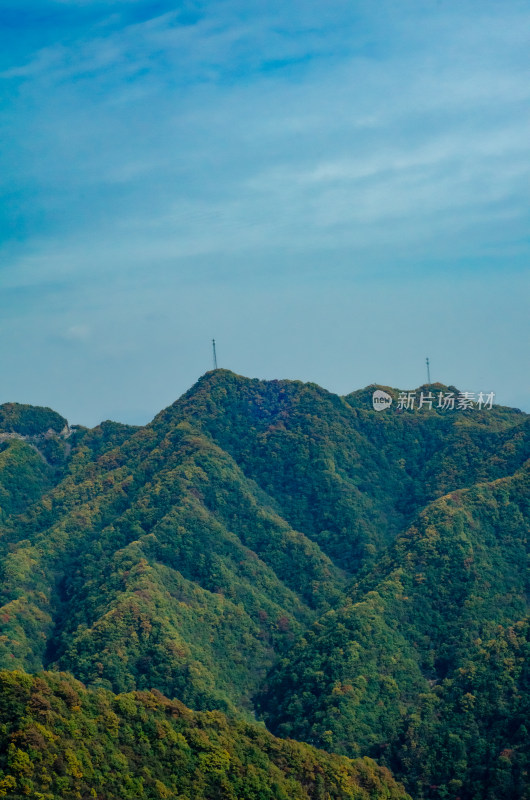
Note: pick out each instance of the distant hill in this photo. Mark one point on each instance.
(30, 420)
(359, 579)
(32, 446)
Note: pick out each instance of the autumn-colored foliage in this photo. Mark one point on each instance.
(357, 580)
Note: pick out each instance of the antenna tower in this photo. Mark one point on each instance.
(214, 355)
(428, 370)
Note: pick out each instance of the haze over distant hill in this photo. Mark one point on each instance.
(357, 579)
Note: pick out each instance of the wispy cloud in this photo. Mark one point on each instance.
(149, 147)
(78, 333)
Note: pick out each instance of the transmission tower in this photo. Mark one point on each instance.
(214, 354)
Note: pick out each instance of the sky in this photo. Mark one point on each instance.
(333, 190)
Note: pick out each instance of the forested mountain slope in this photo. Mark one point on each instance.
(451, 586)
(61, 741)
(359, 579)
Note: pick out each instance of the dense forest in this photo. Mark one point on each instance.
(61, 741)
(266, 552)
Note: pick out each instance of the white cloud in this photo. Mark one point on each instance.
(78, 333)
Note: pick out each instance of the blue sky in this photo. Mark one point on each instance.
(333, 190)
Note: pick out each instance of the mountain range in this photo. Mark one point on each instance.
(266, 553)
